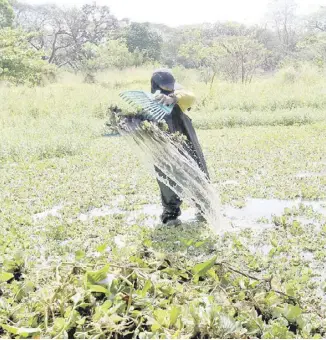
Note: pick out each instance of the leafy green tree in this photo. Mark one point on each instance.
(6, 14)
(283, 18)
(313, 48)
(175, 38)
(236, 58)
(62, 32)
(206, 35)
(19, 62)
(206, 58)
(243, 56)
(140, 37)
(112, 54)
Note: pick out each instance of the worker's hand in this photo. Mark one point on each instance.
(165, 100)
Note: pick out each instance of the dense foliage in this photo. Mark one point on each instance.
(81, 257)
(81, 252)
(78, 38)
(6, 14)
(19, 62)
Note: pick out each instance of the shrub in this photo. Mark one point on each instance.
(21, 64)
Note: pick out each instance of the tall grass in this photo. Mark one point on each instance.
(62, 118)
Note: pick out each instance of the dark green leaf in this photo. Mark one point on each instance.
(202, 268)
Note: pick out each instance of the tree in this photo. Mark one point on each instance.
(243, 57)
(317, 21)
(173, 40)
(313, 48)
(19, 62)
(237, 58)
(206, 58)
(140, 37)
(63, 32)
(6, 14)
(283, 18)
(207, 34)
(112, 54)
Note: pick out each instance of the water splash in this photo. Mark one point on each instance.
(168, 154)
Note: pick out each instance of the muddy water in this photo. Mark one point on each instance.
(232, 219)
(256, 208)
(50, 212)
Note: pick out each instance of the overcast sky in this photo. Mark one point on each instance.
(183, 12)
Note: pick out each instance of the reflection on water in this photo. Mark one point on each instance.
(232, 218)
(256, 214)
(257, 208)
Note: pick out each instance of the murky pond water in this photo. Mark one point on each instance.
(250, 216)
(257, 208)
(232, 218)
(149, 214)
(55, 212)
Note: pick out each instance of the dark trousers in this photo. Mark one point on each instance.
(180, 122)
(171, 202)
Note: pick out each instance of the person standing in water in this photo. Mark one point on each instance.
(168, 92)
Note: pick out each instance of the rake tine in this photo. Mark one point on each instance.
(159, 110)
(163, 114)
(147, 108)
(155, 110)
(155, 116)
(147, 103)
(160, 113)
(160, 117)
(143, 100)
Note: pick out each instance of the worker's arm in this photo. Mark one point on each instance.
(182, 97)
(185, 99)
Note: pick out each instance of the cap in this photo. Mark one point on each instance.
(164, 79)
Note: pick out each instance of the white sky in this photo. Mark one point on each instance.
(183, 12)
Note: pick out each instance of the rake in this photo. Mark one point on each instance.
(146, 102)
